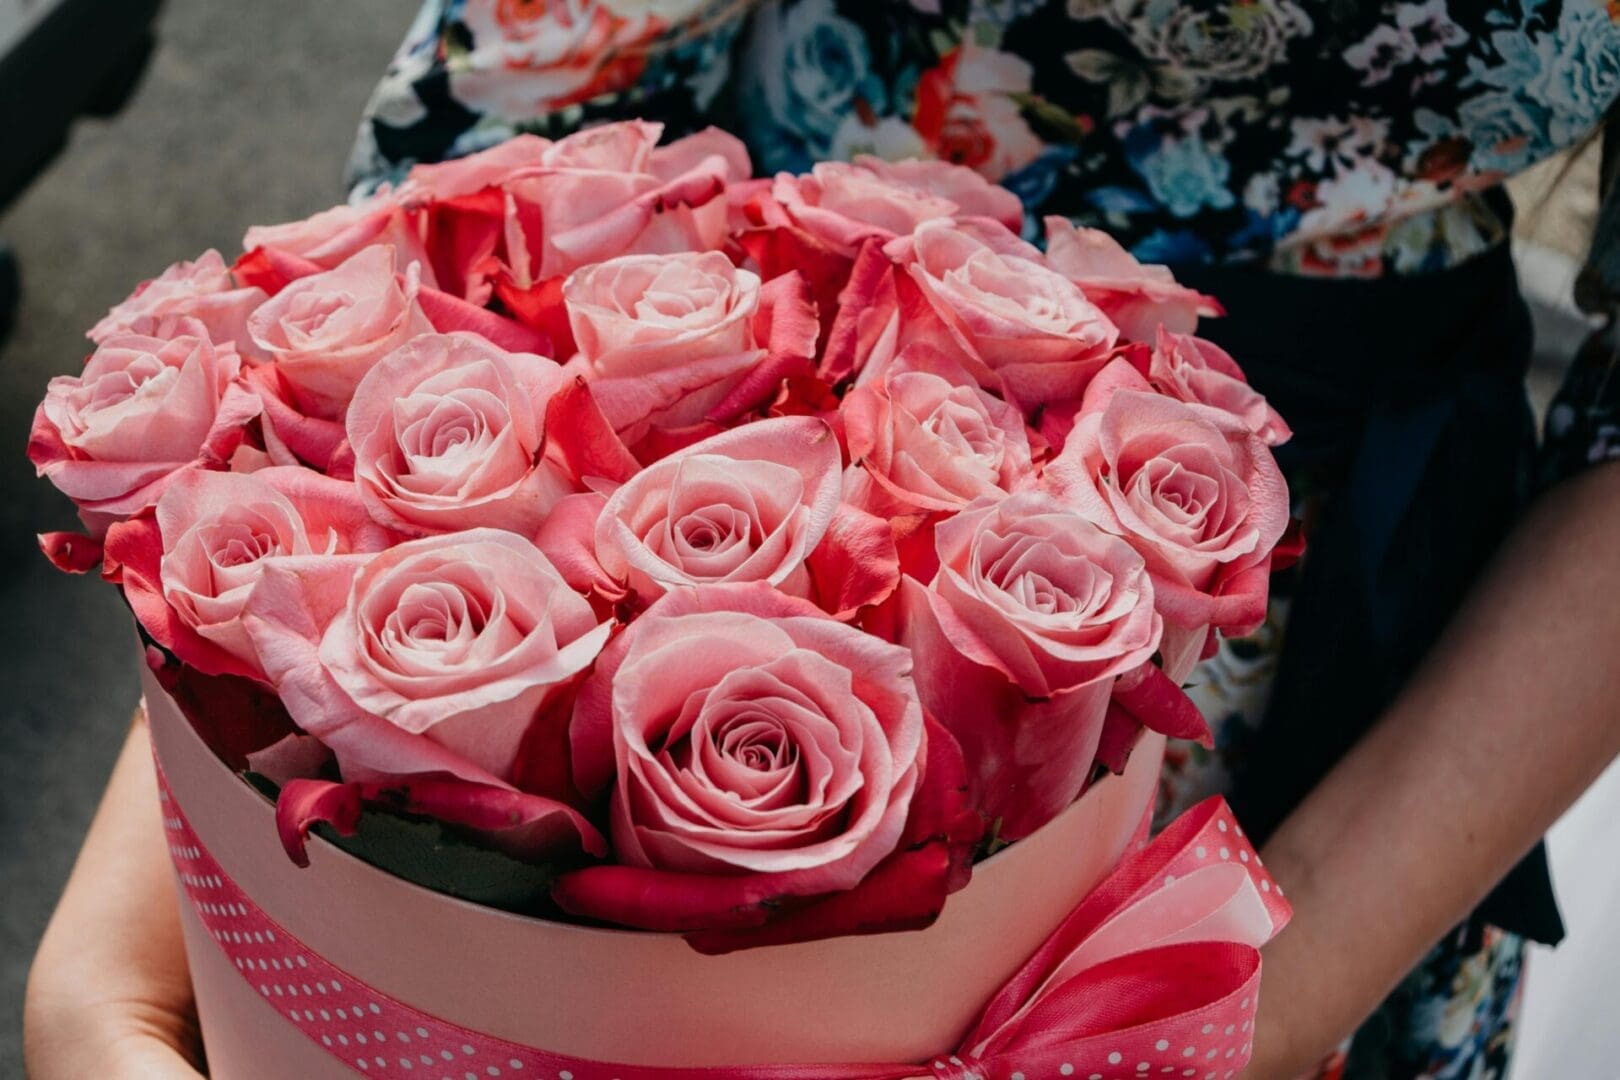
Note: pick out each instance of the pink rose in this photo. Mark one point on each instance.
(1018, 641)
(203, 290)
(844, 205)
(1138, 298)
(1192, 369)
(925, 438)
(1020, 325)
(325, 331)
(758, 755)
(663, 339)
(187, 572)
(449, 433)
(746, 505)
(973, 195)
(143, 409)
(442, 655)
(332, 237)
(610, 191)
(1192, 489)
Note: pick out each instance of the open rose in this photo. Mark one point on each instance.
(1192, 369)
(333, 236)
(612, 190)
(1191, 487)
(759, 756)
(1138, 298)
(202, 289)
(1024, 326)
(188, 571)
(448, 433)
(1019, 639)
(673, 341)
(746, 505)
(441, 655)
(925, 438)
(143, 409)
(844, 205)
(325, 331)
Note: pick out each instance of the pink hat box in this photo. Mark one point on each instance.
(621, 996)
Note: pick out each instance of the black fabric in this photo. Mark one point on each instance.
(1407, 399)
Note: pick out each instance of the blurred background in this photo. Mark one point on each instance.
(243, 114)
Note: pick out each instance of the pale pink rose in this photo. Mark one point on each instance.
(202, 289)
(333, 236)
(325, 331)
(1140, 298)
(1192, 489)
(925, 438)
(757, 755)
(437, 656)
(1192, 369)
(218, 531)
(845, 205)
(1022, 324)
(749, 504)
(459, 177)
(1018, 641)
(449, 433)
(143, 409)
(610, 191)
(663, 338)
(973, 195)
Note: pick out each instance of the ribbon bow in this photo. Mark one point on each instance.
(1156, 972)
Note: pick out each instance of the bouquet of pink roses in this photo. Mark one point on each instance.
(587, 529)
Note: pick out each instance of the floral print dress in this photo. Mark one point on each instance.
(1340, 138)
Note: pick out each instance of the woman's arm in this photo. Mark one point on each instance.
(1512, 716)
(109, 994)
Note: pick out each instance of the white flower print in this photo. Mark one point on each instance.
(1429, 29)
(1379, 53)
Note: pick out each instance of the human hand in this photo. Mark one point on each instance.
(109, 994)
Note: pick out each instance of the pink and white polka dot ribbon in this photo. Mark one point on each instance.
(1156, 973)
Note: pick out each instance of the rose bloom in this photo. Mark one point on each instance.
(333, 236)
(756, 754)
(749, 504)
(143, 409)
(449, 433)
(844, 205)
(325, 331)
(188, 571)
(612, 190)
(1139, 298)
(1192, 489)
(1025, 328)
(203, 290)
(926, 438)
(1018, 640)
(1192, 369)
(663, 338)
(437, 656)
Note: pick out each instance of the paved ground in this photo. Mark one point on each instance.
(245, 117)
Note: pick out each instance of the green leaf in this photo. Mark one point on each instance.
(1049, 120)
